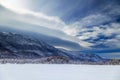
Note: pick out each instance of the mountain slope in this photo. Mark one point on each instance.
(20, 46)
(16, 46)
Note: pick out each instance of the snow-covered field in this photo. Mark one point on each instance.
(58, 72)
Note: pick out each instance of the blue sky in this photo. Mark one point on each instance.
(92, 24)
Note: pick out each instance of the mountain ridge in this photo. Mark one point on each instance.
(16, 46)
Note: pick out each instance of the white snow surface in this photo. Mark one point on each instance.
(58, 72)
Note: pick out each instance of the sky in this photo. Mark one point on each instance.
(93, 25)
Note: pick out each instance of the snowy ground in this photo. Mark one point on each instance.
(58, 72)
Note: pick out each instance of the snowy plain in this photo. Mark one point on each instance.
(58, 72)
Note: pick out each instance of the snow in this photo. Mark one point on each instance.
(58, 72)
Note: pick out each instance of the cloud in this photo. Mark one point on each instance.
(83, 32)
(106, 35)
(36, 18)
(42, 20)
(87, 22)
(98, 30)
(37, 22)
(94, 19)
(97, 27)
(15, 5)
(106, 14)
(70, 30)
(112, 10)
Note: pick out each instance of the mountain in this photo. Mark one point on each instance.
(85, 56)
(24, 46)
(16, 46)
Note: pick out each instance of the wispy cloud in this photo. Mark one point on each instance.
(94, 29)
(87, 22)
(107, 35)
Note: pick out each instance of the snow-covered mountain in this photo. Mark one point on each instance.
(24, 46)
(84, 56)
(16, 46)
